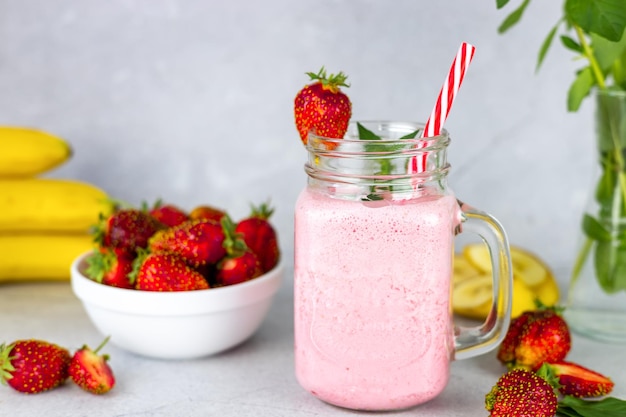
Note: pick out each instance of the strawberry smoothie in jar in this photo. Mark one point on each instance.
(374, 242)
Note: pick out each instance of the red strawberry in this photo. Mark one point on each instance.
(197, 241)
(126, 230)
(166, 272)
(168, 214)
(521, 393)
(535, 337)
(91, 371)
(109, 268)
(321, 107)
(207, 213)
(579, 381)
(240, 264)
(260, 237)
(33, 366)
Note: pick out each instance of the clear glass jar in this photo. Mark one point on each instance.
(374, 244)
(596, 301)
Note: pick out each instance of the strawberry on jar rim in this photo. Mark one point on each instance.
(33, 366)
(322, 108)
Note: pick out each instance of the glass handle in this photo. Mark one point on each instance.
(473, 341)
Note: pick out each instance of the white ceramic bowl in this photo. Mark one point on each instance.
(176, 325)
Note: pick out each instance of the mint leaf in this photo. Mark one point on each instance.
(365, 133)
(546, 45)
(580, 88)
(501, 3)
(607, 18)
(595, 230)
(513, 18)
(571, 44)
(607, 407)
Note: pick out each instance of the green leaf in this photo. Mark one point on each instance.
(610, 265)
(513, 18)
(607, 407)
(501, 3)
(545, 45)
(365, 133)
(411, 135)
(606, 52)
(580, 88)
(594, 229)
(607, 18)
(571, 44)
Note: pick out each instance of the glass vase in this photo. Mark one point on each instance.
(596, 303)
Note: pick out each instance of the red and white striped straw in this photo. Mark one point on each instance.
(448, 92)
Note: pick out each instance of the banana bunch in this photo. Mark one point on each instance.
(472, 282)
(44, 223)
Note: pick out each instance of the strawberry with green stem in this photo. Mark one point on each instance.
(108, 267)
(240, 264)
(521, 393)
(90, 371)
(260, 236)
(33, 366)
(321, 107)
(535, 337)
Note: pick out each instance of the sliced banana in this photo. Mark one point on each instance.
(472, 292)
(528, 267)
(463, 269)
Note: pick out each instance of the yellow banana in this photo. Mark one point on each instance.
(28, 152)
(39, 257)
(55, 205)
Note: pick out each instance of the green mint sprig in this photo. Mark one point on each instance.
(576, 407)
(593, 30)
(386, 165)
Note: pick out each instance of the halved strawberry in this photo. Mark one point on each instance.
(578, 381)
(91, 371)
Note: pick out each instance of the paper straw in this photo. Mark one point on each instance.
(448, 92)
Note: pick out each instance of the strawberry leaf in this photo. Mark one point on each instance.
(577, 407)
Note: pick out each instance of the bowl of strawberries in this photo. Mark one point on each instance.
(170, 284)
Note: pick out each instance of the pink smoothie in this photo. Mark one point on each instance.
(373, 326)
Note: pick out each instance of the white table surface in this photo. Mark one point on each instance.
(253, 379)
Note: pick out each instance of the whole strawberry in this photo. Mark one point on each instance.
(260, 237)
(168, 214)
(91, 371)
(164, 271)
(126, 230)
(321, 107)
(207, 213)
(535, 337)
(240, 264)
(109, 268)
(199, 242)
(33, 366)
(578, 381)
(521, 393)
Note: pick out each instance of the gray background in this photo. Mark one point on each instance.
(191, 101)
